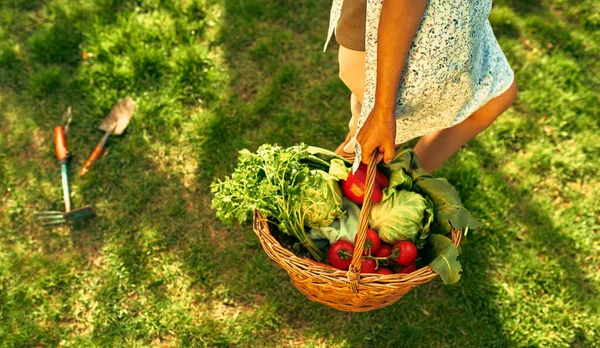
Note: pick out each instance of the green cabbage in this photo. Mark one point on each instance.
(321, 199)
(404, 215)
(344, 228)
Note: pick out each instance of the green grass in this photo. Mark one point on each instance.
(211, 77)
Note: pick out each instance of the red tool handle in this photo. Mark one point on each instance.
(60, 143)
(93, 158)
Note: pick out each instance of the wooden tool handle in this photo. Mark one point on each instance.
(93, 157)
(60, 143)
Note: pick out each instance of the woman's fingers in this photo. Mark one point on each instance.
(366, 153)
(389, 152)
(379, 156)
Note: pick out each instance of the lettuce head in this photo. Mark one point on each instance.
(321, 199)
(404, 215)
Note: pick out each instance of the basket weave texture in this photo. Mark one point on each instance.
(348, 291)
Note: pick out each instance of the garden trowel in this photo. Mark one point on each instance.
(115, 123)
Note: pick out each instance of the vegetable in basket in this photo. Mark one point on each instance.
(407, 252)
(368, 266)
(372, 242)
(272, 181)
(404, 215)
(321, 199)
(296, 188)
(408, 268)
(354, 185)
(449, 211)
(443, 213)
(385, 250)
(343, 228)
(340, 254)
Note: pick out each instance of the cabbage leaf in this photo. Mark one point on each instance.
(343, 228)
(445, 262)
(449, 211)
(400, 217)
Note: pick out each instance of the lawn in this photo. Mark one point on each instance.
(211, 77)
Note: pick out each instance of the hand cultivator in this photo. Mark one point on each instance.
(52, 218)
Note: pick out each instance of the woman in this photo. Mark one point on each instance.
(417, 68)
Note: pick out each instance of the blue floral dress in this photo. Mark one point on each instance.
(454, 67)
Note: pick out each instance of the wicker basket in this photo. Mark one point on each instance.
(347, 291)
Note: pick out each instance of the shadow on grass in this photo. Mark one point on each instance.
(538, 233)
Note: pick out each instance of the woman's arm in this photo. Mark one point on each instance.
(398, 25)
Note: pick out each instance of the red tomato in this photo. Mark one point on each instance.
(371, 243)
(408, 252)
(385, 250)
(408, 269)
(354, 187)
(384, 270)
(367, 266)
(340, 254)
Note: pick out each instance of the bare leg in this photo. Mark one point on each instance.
(355, 106)
(435, 148)
(352, 73)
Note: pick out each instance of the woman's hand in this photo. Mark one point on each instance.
(378, 132)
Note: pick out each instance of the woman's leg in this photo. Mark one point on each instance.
(355, 107)
(435, 148)
(352, 73)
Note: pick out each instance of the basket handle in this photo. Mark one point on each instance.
(353, 273)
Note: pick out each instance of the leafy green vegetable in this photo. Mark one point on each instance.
(399, 180)
(314, 162)
(339, 169)
(321, 199)
(326, 155)
(400, 217)
(428, 219)
(271, 181)
(449, 211)
(321, 159)
(406, 173)
(445, 262)
(397, 172)
(344, 228)
(407, 162)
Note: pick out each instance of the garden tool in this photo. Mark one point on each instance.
(50, 218)
(115, 123)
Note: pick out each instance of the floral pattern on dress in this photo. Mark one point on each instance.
(455, 66)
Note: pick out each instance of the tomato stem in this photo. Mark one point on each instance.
(393, 256)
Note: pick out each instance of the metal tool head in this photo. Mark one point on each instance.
(118, 118)
(80, 213)
(50, 218)
(54, 218)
